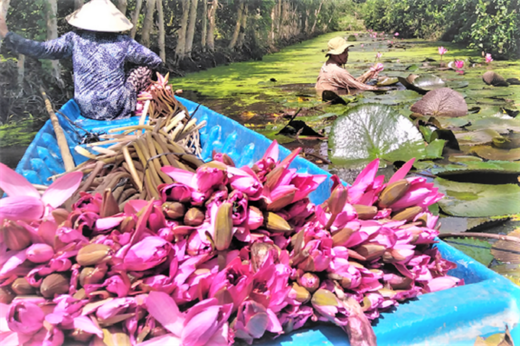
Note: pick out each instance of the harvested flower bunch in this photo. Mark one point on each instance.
(225, 255)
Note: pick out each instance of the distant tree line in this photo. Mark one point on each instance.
(488, 25)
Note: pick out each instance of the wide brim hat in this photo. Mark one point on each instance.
(337, 46)
(99, 15)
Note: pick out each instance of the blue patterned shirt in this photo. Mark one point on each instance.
(100, 86)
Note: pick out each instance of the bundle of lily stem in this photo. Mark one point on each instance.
(130, 158)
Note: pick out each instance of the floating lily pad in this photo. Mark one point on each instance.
(502, 126)
(429, 82)
(492, 153)
(483, 93)
(507, 141)
(478, 200)
(413, 67)
(408, 85)
(478, 249)
(493, 78)
(393, 97)
(479, 137)
(387, 81)
(510, 271)
(457, 84)
(513, 81)
(468, 164)
(507, 251)
(441, 102)
(367, 132)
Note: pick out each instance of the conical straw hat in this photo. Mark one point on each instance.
(99, 15)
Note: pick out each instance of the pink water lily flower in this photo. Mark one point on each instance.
(396, 34)
(25, 316)
(459, 64)
(488, 58)
(442, 51)
(252, 320)
(379, 55)
(148, 253)
(201, 325)
(24, 201)
(204, 179)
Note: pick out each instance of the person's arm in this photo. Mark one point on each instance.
(344, 80)
(55, 49)
(3, 27)
(142, 56)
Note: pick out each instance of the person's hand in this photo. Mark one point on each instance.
(3, 27)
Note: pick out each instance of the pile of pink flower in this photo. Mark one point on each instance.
(228, 255)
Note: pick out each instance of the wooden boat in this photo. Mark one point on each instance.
(485, 305)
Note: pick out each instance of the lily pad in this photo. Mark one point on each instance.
(468, 164)
(478, 200)
(492, 153)
(478, 249)
(493, 78)
(409, 85)
(507, 251)
(429, 82)
(507, 141)
(479, 137)
(502, 126)
(387, 81)
(370, 131)
(441, 102)
(412, 67)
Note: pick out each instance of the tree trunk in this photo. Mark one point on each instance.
(78, 4)
(52, 33)
(240, 13)
(204, 34)
(162, 47)
(211, 30)
(148, 23)
(242, 34)
(180, 50)
(270, 39)
(135, 17)
(21, 72)
(191, 26)
(122, 5)
(4, 7)
(316, 14)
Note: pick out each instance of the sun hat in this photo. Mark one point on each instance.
(337, 46)
(99, 15)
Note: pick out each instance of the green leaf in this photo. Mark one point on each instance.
(490, 153)
(478, 137)
(478, 200)
(480, 250)
(501, 125)
(367, 132)
(429, 82)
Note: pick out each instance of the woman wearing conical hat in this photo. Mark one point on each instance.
(102, 89)
(335, 78)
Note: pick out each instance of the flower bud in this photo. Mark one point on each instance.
(223, 227)
(6, 295)
(299, 293)
(80, 335)
(91, 275)
(16, 237)
(365, 212)
(174, 210)
(277, 224)
(407, 214)
(340, 237)
(127, 225)
(166, 233)
(93, 254)
(370, 251)
(255, 218)
(194, 217)
(337, 199)
(309, 281)
(54, 284)
(109, 205)
(260, 252)
(22, 287)
(323, 297)
(39, 253)
(393, 192)
(60, 215)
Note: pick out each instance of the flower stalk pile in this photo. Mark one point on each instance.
(224, 255)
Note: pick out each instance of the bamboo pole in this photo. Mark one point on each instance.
(60, 136)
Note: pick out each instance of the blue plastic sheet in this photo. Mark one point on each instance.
(484, 306)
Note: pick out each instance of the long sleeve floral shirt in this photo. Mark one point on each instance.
(100, 86)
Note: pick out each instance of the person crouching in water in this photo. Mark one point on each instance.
(335, 78)
(102, 89)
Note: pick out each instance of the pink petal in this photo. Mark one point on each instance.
(201, 327)
(180, 175)
(402, 172)
(85, 324)
(167, 339)
(107, 223)
(272, 151)
(15, 184)
(220, 338)
(14, 339)
(16, 259)
(273, 324)
(62, 189)
(162, 307)
(21, 208)
(134, 206)
(442, 283)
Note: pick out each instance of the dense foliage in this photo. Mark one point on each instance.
(488, 25)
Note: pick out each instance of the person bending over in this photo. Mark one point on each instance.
(99, 51)
(333, 77)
